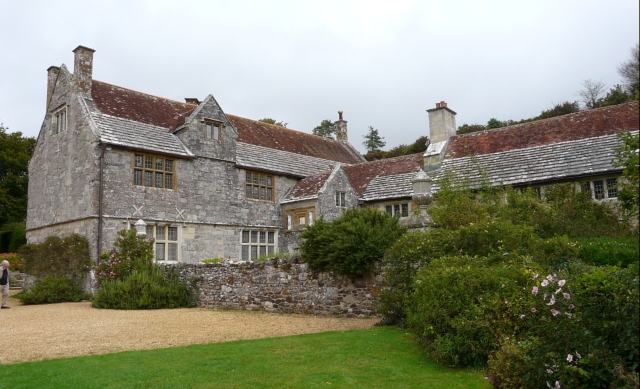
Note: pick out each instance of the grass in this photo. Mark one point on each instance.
(382, 357)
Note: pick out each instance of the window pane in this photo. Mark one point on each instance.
(254, 252)
(137, 177)
(159, 164)
(263, 237)
(262, 179)
(263, 250)
(396, 209)
(263, 193)
(256, 189)
(289, 222)
(158, 180)
(254, 236)
(405, 210)
(173, 252)
(598, 189)
(612, 187)
(249, 191)
(148, 162)
(168, 165)
(168, 181)
(269, 194)
(149, 232)
(208, 131)
(255, 178)
(343, 203)
(389, 210)
(245, 253)
(160, 251)
(173, 233)
(310, 217)
(270, 248)
(586, 187)
(270, 238)
(245, 236)
(138, 161)
(216, 132)
(302, 221)
(160, 233)
(248, 177)
(269, 181)
(337, 199)
(148, 178)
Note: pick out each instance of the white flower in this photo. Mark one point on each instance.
(549, 371)
(558, 290)
(561, 282)
(569, 358)
(554, 312)
(544, 283)
(535, 290)
(533, 309)
(566, 295)
(522, 316)
(550, 277)
(568, 315)
(557, 385)
(552, 301)
(571, 306)
(536, 276)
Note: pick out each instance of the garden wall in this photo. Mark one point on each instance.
(283, 287)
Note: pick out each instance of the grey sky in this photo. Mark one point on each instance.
(383, 63)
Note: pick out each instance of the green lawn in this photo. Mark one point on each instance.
(383, 357)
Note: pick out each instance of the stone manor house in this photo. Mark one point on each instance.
(214, 185)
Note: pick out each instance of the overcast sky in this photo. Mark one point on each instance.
(382, 62)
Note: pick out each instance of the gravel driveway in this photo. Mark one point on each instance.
(36, 332)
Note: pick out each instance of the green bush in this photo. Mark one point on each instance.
(351, 244)
(52, 290)
(148, 286)
(12, 236)
(608, 251)
(66, 257)
(460, 305)
(129, 252)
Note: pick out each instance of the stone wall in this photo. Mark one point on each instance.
(284, 287)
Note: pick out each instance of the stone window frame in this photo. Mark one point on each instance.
(341, 198)
(167, 228)
(396, 208)
(300, 218)
(209, 127)
(59, 120)
(601, 188)
(264, 183)
(154, 171)
(257, 242)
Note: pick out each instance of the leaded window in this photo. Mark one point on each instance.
(256, 244)
(153, 171)
(259, 186)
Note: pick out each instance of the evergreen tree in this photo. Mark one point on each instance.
(326, 129)
(373, 141)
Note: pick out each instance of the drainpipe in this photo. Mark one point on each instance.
(100, 190)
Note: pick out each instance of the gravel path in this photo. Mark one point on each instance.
(36, 332)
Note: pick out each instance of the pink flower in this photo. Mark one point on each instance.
(568, 315)
(544, 297)
(558, 290)
(522, 316)
(506, 302)
(569, 358)
(557, 385)
(552, 301)
(561, 282)
(536, 276)
(533, 309)
(544, 283)
(571, 306)
(554, 312)
(549, 371)
(535, 290)
(578, 355)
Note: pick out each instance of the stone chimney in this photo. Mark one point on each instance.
(442, 123)
(341, 128)
(52, 76)
(83, 70)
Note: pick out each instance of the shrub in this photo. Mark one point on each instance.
(66, 257)
(12, 236)
(148, 286)
(52, 290)
(459, 307)
(351, 244)
(129, 252)
(15, 261)
(608, 251)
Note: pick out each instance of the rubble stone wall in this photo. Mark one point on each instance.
(284, 287)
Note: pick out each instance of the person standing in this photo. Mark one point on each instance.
(4, 283)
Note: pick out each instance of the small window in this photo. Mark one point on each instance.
(153, 172)
(59, 121)
(341, 199)
(598, 189)
(299, 218)
(256, 244)
(259, 186)
(212, 130)
(166, 243)
(612, 187)
(399, 210)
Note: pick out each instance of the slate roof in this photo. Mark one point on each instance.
(362, 174)
(278, 161)
(389, 187)
(308, 187)
(279, 138)
(580, 125)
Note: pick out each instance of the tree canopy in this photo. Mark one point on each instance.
(419, 146)
(15, 152)
(273, 121)
(630, 72)
(373, 141)
(326, 129)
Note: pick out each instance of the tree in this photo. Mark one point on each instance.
(326, 129)
(616, 95)
(15, 152)
(273, 121)
(627, 158)
(419, 146)
(630, 72)
(373, 141)
(469, 128)
(494, 123)
(559, 109)
(592, 93)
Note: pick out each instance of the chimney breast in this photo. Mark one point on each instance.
(341, 128)
(442, 123)
(52, 76)
(83, 70)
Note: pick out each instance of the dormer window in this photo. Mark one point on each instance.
(212, 130)
(59, 121)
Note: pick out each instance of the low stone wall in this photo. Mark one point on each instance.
(283, 287)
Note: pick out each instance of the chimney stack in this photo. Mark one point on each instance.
(442, 123)
(341, 128)
(83, 70)
(52, 76)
